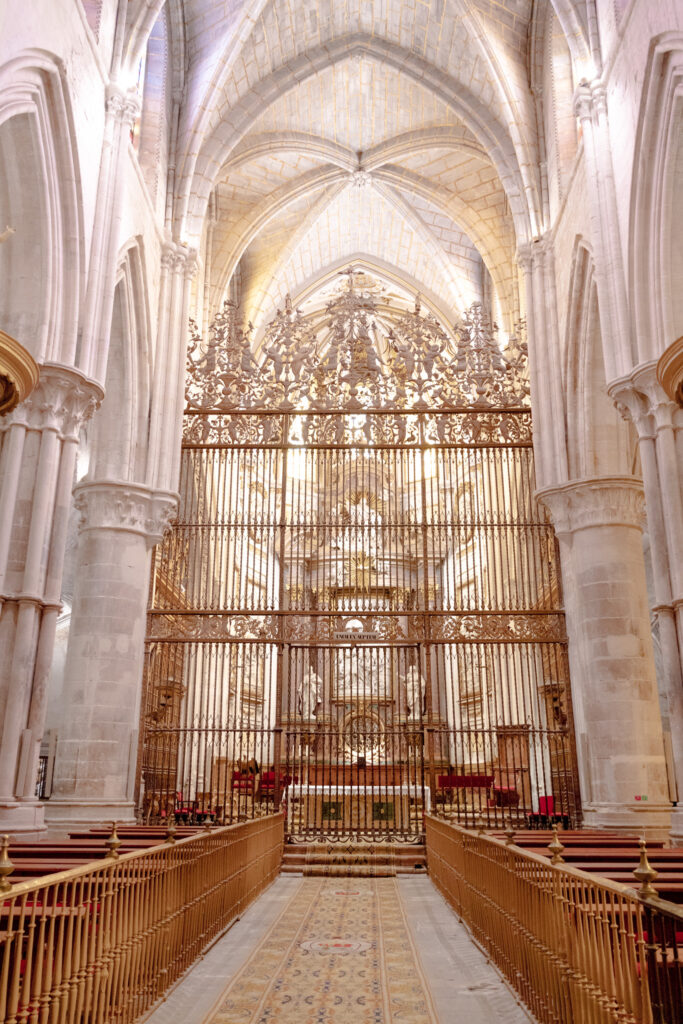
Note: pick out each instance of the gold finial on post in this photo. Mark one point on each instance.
(6, 865)
(113, 843)
(645, 873)
(556, 848)
(509, 833)
(207, 824)
(480, 825)
(171, 829)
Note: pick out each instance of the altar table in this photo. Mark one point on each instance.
(355, 807)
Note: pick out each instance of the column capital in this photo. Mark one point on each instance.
(131, 508)
(190, 261)
(583, 101)
(525, 256)
(179, 258)
(63, 400)
(640, 397)
(590, 99)
(534, 251)
(595, 501)
(167, 256)
(122, 104)
(599, 93)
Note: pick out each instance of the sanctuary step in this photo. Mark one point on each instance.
(368, 860)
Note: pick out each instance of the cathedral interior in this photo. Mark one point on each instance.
(341, 511)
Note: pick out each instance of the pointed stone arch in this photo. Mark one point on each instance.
(656, 246)
(599, 442)
(119, 428)
(42, 263)
(393, 182)
(379, 268)
(293, 141)
(575, 30)
(153, 130)
(198, 175)
(142, 16)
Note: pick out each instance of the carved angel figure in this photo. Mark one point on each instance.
(416, 689)
(309, 693)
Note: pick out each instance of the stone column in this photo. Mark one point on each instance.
(614, 688)
(36, 474)
(178, 266)
(121, 521)
(97, 742)
(547, 399)
(590, 107)
(121, 111)
(658, 420)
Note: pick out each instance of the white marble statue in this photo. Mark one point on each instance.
(309, 693)
(363, 672)
(416, 689)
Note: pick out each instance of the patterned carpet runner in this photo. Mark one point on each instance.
(340, 953)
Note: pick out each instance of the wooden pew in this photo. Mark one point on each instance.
(579, 855)
(618, 864)
(33, 860)
(540, 840)
(610, 856)
(136, 831)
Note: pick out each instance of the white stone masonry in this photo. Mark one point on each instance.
(38, 458)
(97, 745)
(614, 688)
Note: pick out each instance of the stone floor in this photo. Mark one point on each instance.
(462, 985)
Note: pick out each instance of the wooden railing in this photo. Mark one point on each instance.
(102, 942)
(577, 948)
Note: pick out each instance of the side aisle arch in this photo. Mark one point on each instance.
(42, 262)
(598, 440)
(656, 266)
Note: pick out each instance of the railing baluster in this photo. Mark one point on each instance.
(103, 941)
(576, 947)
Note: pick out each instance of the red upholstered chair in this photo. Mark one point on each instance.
(266, 788)
(546, 805)
(266, 785)
(546, 815)
(449, 786)
(539, 818)
(444, 791)
(184, 809)
(244, 782)
(503, 796)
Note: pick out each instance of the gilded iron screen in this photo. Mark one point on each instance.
(358, 614)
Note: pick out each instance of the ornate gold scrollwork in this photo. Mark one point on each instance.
(498, 628)
(322, 628)
(167, 626)
(420, 368)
